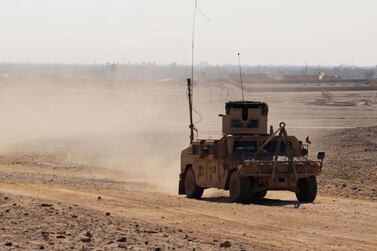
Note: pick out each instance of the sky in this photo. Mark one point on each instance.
(289, 32)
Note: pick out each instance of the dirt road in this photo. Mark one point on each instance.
(167, 221)
(51, 202)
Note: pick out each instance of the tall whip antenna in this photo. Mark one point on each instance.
(190, 82)
(193, 41)
(239, 67)
(189, 94)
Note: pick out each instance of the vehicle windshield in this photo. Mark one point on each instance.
(244, 149)
(248, 149)
(272, 146)
(245, 146)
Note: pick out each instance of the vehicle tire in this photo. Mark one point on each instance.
(259, 195)
(307, 189)
(192, 190)
(239, 188)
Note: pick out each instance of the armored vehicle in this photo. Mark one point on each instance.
(248, 160)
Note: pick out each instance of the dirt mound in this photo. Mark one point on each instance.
(351, 165)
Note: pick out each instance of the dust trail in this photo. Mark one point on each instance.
(140, 132)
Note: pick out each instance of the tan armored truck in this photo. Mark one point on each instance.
(248, 160)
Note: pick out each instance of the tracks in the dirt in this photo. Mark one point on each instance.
(330, 223)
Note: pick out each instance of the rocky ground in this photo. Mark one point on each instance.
(351, 163)
(32, 224)
(36, 220)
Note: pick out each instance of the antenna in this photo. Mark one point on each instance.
(193, 41)
(189, 94)
(196, 9)
(239, 66)
(190, 82)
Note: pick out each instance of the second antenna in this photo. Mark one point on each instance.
(239, 66)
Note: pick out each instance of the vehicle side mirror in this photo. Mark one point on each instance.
(321, 155)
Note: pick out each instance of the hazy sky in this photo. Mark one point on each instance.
(329, 32)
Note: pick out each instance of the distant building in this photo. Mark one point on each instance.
(299, 78)
(253, 78)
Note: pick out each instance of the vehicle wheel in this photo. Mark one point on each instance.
(239, 188)
(260, 195)
(192, 190)
(307, 189)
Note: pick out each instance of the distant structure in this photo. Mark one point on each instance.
(253, 78)
(299, 78)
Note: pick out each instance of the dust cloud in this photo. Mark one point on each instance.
(135, 128)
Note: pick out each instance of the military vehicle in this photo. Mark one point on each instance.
(248, 160)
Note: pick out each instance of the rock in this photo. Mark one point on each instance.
(122, 246)
(225, 244)
(150, 232)
(107, 213)
(99, 198)
(45, 205)
(85, 239)
(88, 234)
(157, 248)
(6, 198)
(8, 244)
(122, 239)
(60, 237)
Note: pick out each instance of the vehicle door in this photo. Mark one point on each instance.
(213, 177)
(201, 166)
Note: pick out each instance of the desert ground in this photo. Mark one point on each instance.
(85, 167)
